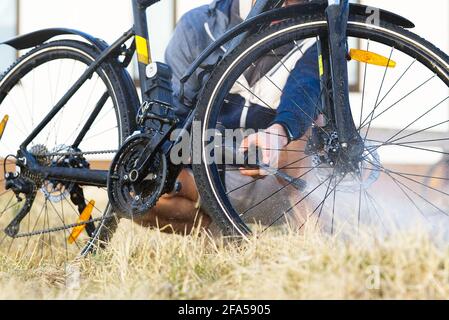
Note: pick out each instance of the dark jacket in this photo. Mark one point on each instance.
(197, 29)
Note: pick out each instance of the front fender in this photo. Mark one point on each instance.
(295, 11)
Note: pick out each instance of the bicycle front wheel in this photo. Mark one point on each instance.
(402, 114)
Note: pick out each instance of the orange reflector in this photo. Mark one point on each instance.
(84, 216)
(3, 125)
(371, 58)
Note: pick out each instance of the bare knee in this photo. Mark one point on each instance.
(178, 211)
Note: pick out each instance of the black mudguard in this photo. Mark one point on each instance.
(36, 38)
(295, 11)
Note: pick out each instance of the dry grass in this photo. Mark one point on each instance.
(145, 264)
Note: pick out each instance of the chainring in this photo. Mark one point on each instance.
(130, 199)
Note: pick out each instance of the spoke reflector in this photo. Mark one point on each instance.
(3, 125)
(371, 58)
(85, 215)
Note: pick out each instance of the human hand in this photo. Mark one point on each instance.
(271, 142)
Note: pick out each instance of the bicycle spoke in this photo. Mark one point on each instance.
(371, 200)
(419, 118)
(259, 178)
(409, 147)
(397, 102)
(296, 104)
(416, 182)
(364, 87)
(359, 215)
(279, 190)
(333, 211)
(294, 206)
(99, 134)
(66, 249)
(326, 195)
(388, 172)
(7, 207)
(410, 174)
(34, 226)
(315, 102)
(24, 127)
(397, 81)
(421, 131)
(83, 115)
(378, 95)
(233, 169)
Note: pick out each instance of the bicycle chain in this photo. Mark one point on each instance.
(56, 229)
(73, 225)
(73, 153)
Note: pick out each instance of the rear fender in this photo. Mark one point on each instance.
(39, 37)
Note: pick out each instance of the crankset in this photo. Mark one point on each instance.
(132, 197)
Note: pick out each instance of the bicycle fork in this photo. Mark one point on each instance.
(333, 66)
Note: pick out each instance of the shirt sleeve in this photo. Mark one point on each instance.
(301, 96)
(179, 55)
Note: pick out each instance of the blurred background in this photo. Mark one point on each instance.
(108, 19)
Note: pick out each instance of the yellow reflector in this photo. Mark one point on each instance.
(321, 65)
(143, 54)
(3, 125)
(371, 58)
(84, 216)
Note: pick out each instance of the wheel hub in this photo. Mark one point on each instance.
(331, 160)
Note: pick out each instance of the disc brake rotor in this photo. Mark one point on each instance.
(351, 182)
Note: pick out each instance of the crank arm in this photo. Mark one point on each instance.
(137, 175)
(13, 228)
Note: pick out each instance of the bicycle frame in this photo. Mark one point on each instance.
(332, 59)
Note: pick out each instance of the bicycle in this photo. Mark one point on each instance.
(59, 168)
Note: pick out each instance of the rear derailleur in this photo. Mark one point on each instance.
(20, 185)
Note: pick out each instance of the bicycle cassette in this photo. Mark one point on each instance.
(128, 198)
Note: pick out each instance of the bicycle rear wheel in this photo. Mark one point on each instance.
(401, 114)
(65, 218)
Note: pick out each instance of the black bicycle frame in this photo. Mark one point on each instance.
(332, 59)
(86, 176)
(81, 176)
